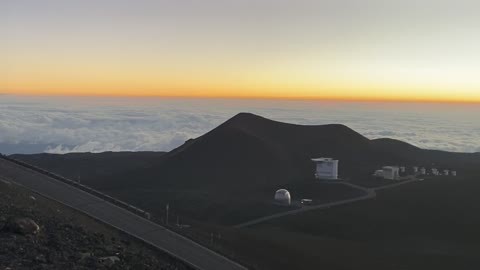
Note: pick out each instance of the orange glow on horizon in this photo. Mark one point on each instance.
(283, 83)
(245, 95)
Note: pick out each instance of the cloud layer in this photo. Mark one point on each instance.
(87, 124)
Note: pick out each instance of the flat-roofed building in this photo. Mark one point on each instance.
(391, 172)
(326, 168)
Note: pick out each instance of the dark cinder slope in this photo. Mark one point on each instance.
(465, 162)
(251, 150)
(95, 169)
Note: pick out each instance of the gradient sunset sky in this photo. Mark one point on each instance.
(338, 49)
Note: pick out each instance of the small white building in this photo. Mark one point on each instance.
(391, 172)
(435, 171)
(454, 173)
(282, 196)
(378, 173)
(415, 169)
(423, 171)
(326, 168)
(446, 172)
(402, 169)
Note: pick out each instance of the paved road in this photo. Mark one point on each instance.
(188, 251)
(369, 193)
(396, 184)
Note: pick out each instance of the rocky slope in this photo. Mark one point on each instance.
(64, 238)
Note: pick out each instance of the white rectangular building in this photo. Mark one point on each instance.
(391, 172)
(326, 168)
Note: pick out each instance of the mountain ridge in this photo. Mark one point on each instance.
(251, 150)
(255, 150)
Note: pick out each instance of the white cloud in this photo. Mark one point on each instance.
(161, 124)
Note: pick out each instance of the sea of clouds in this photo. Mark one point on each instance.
(30, 124)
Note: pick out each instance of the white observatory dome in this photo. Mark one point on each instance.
(283, 196)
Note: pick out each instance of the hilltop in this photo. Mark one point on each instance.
(250, 150)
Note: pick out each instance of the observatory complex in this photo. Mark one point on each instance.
(326, 168)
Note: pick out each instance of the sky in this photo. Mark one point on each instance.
(338, 49)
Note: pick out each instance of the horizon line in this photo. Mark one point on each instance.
(293, 98)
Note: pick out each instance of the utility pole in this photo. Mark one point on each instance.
(166, 219)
